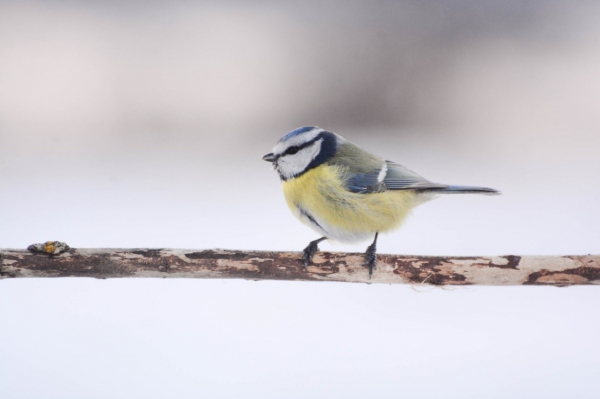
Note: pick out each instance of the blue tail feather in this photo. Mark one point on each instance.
(466, 190)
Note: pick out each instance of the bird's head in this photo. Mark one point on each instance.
(301, 150)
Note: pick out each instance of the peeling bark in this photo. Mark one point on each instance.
(327, 266)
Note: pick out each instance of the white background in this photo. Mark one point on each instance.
(136, 125)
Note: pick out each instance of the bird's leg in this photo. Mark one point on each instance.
(371, 256)
(310, 250)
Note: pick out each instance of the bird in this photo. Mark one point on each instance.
(345, 193)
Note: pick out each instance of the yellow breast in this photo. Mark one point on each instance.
(343, 215)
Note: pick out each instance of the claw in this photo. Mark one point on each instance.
(371, 256)
(371, 259)
(308, 253)
(310, 250)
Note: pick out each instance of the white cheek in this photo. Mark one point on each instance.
(292, 165)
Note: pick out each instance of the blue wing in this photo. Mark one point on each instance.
(364, 183)
(390, 176)
(367, 173)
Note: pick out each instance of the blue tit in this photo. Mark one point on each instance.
(345, 193)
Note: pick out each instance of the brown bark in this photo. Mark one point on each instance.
(50, 261)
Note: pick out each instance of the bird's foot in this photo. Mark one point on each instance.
(309, 251)
(371, 258)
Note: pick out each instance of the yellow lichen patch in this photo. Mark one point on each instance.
(49, 247)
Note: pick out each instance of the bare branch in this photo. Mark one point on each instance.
(258, 265)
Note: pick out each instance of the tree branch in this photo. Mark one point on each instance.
(46, 260)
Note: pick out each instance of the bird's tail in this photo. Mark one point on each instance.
(465, 190)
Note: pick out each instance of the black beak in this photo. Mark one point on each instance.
(269, 157)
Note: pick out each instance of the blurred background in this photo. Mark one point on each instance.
(142, 124)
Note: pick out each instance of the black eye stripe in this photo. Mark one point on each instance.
(295, 148)
(292, 150)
